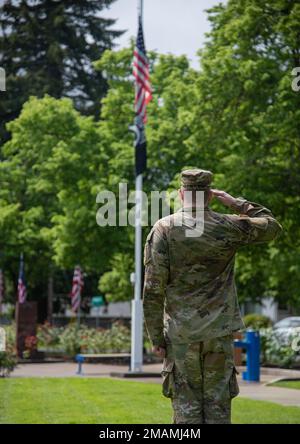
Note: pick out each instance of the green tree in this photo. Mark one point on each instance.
(48, 46)
(173, 83)
(49, 155)
(115, 283)
(237, 116)
(249, 122)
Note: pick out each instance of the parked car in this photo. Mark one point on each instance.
(287, 327)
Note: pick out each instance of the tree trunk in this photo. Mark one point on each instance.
(50, 299)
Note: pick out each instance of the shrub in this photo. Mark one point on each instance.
(73, 339)
(114, 340)
(30, 346)
(274, 351)
(257, 321)
(48, 336)
(8, 361)
(8, 358)
(119, 338)
(70, 339)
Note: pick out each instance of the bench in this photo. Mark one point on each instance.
(81, 357)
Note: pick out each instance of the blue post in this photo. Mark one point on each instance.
(252, 345)
(80, 360)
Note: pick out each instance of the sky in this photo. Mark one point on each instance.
(170, 26)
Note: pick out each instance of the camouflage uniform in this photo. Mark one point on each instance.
(190, 301)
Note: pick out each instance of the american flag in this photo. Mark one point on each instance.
(141, 73)
(77, 286)
(142, 98)
(21, 282)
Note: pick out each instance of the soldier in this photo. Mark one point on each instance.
(190, 303)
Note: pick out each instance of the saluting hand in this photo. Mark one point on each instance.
(225, 198)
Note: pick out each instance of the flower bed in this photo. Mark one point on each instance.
(72, 339)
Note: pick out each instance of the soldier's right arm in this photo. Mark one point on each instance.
(254, 224)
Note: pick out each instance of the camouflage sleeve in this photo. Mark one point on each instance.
(255, 224)
(156, 260)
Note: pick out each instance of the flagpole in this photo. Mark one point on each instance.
(140, 9)
(136, 362)
(79, 306)
(78, 313)
(79, 303)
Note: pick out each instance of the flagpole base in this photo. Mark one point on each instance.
(136, 362)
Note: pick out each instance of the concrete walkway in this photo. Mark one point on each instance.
(253, 390)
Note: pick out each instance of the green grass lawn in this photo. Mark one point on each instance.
(288, 384)
(109, 401)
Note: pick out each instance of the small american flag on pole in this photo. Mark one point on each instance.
(77, 286)
(143, 96)
(21, 282)
(143, 93)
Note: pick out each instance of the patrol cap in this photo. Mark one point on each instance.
(196, 179)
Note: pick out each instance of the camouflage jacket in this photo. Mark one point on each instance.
(189, 290)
